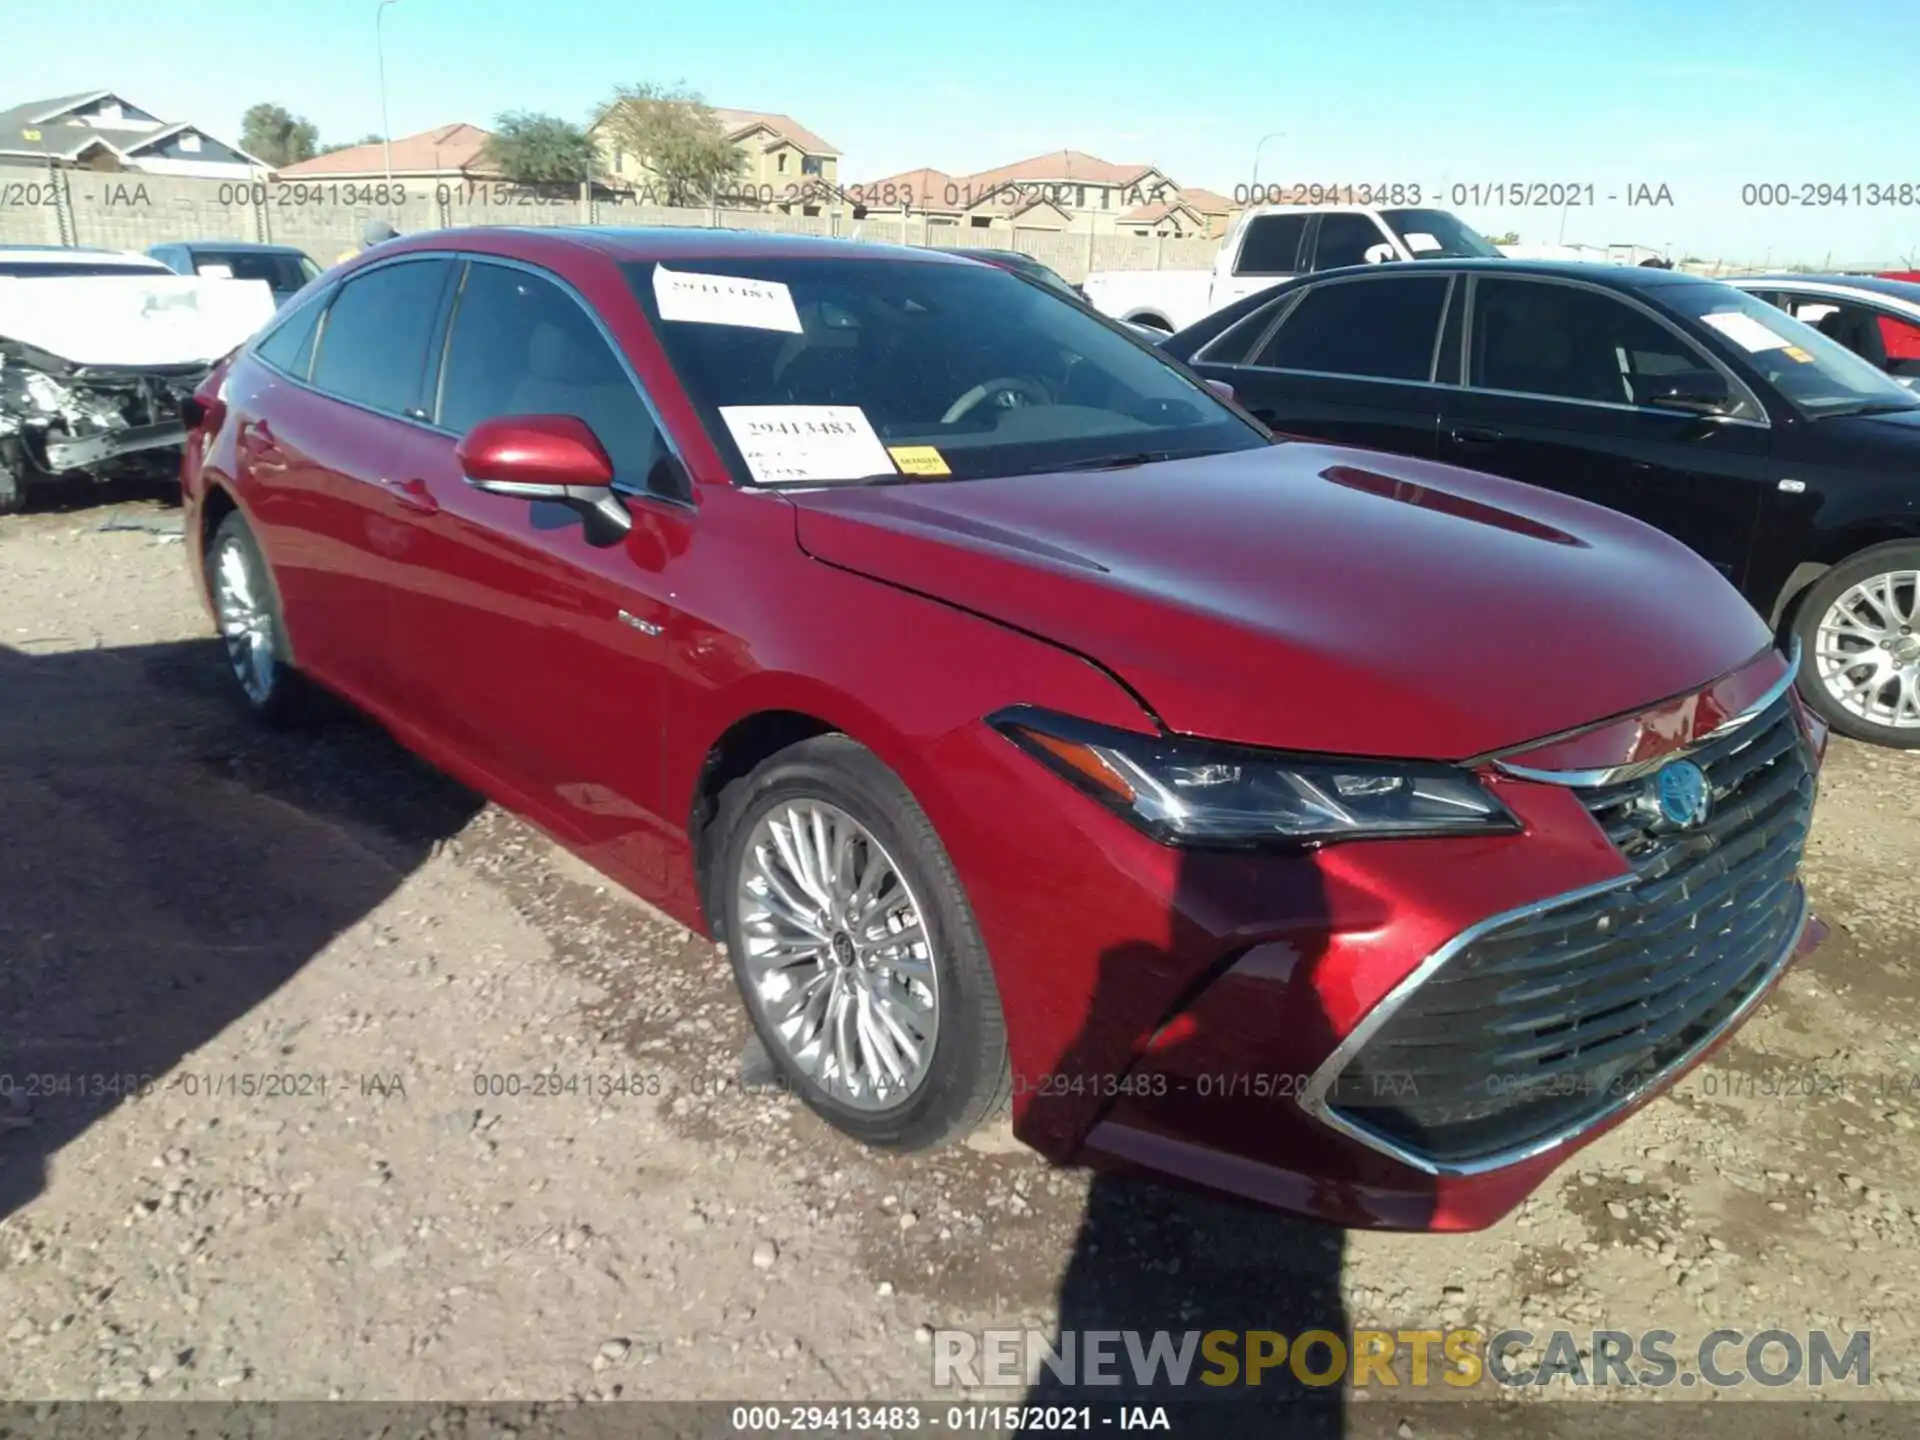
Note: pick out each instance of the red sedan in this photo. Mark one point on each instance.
(1353, 834)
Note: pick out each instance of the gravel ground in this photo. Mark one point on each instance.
(188, 898)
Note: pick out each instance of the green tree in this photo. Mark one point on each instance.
(675, 136)
(368, 139)
(532, 149)
(278, 136)
(1512, 237)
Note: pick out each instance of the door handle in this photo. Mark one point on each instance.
(1473, 435)
(413, 494)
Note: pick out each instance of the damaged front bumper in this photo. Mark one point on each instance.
(59, 419)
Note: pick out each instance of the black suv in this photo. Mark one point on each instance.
(1787, 461)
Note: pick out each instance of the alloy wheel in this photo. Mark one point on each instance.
(837, 955)
(1867, 651)
(245, 618)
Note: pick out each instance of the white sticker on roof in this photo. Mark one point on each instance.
(1421, 243)
(805, 444)
(724, 300)
(1746, 332)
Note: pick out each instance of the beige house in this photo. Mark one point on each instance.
(1064, 191)
(788, 168)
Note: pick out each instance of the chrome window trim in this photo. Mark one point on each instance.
(433, 426)
(1616, 774)
(1738, 386)
(1313, 1097)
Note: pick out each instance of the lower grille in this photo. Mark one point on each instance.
(1543, 1023)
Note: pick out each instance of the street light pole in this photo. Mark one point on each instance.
(1276, 135)
(380, 55)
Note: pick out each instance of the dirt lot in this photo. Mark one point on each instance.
(185, 897)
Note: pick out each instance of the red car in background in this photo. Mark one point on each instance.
(1352, 834)
(1902, 341)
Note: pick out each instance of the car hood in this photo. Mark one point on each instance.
(1309, 597)
(133, 320)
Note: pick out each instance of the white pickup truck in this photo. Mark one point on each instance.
(1274, 243)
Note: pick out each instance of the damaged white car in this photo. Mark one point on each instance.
(97, 351)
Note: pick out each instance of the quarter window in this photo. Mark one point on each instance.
(520, 345)
(289, 345)
(373, 347)
(1381, 329)
(1571, 343)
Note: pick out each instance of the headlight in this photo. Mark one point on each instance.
(1203, 794)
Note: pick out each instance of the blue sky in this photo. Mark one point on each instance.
(1702, 96)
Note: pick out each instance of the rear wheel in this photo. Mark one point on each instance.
(855, 949)
(246, 606)
(1859, 633)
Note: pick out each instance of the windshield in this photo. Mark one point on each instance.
(1437, 235)
(1819, 375)
(821, 369)
(282, 270)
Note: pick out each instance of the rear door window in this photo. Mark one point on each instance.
(1384, 329)
(1346, 239)
(1271, 245)
(373, 346)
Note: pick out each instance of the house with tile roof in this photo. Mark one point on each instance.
(447, 153)
(1064, 190)
(101, 130)
(786, 168)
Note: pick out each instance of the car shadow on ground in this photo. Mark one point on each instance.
(1149, 1258)
(165, 866)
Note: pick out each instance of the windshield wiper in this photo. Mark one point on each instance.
(1122, 462)
(1875, 407)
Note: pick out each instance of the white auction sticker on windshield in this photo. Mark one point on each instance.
(1421, 243)
(724, 300)
(805, 444)
(1746, 332)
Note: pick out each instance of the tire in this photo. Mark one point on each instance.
(1868, 606)
(13, 486)
(252, 628)
(963, 1077)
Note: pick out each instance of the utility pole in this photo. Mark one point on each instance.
(380, 56)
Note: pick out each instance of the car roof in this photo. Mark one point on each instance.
(1908, 290)
(662, 242)
(1624, 277)
(238, 246)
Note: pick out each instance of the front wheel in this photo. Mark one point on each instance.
(1859, 633)
(855, 949)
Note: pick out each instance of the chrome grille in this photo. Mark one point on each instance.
(1542, 1024)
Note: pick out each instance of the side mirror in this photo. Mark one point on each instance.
(1222, 389)
(555, 458)
(1700, 392)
